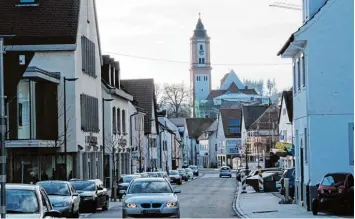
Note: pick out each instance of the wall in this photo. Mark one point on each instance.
(86, 84)
(212, 148)
(221, 144)
(284, 125)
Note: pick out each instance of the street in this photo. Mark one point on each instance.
(208, 196)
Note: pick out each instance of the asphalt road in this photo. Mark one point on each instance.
(205, 197)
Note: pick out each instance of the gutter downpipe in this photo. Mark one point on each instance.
(131, 137)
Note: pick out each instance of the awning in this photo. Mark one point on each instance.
(41, 75)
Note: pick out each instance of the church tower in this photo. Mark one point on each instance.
(200, 66)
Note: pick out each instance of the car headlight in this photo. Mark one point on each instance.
(62, 204)
(131, 205)
(171, 204)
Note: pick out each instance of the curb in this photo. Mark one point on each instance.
(238, 211)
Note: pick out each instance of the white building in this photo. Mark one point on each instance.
(322, 52)
(52, 51)
(144, 94)
(286, 129)
(117, 126)
(208, 146)
(229, 137)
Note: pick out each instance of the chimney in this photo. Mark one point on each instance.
(117, 75)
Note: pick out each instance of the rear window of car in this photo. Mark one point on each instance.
(173, 172)
(225, 168)
(333, 180)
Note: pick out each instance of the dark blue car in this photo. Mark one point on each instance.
(290, 174)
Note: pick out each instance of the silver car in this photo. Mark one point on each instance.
(150, 197)
(28, 201)
(63, 197)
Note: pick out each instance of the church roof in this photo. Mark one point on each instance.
(200, 31)
(233, 88)
(230, 78)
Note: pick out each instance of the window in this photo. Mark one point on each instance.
(124, 121)
(234, 126)
(88, 57)
(303, 71)
(118, 120)
(28, 1)
(298, 75)
(294, 78)
(203, 60)
(199, 61)
(114, 126)
(89, 107)
(351, 143)
(305, 146)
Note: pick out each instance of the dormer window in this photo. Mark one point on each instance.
(28, 2)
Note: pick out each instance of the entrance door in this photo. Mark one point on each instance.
(302, 171)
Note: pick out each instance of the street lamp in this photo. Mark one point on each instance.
(103, 135)
(65, 125)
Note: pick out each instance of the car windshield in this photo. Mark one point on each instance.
(84, 185)
(19, 201)
(173, 172)
(55, 188)
(149, 187)
(127, 179)
(193, 168)
(160, 174)
(334, 180)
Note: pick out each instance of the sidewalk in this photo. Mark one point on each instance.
(266, 205)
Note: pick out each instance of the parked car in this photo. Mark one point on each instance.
(124, 182)
(63, 197)
(183, 174)
(290, 174)
(194, 169)
(142, 175)
(150, 197)
(225, 171)
(175, 177)
(163, 174)
(335, 192)
(93, 195)
(28, 201)
(153, 174)
(189, 172)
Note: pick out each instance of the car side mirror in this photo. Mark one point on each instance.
(122, 192)
(177, 191)
(75, 194)
(100, 188)
(317, 185)
(52, 213)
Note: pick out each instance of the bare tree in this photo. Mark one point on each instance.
(113, 145)
(58, 140)
(176, 99)
(139, 143)
(258, 85)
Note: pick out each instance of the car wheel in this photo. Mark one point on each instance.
(124, 215)
(76, 214)
(107, 205)
(177, 215)
(314, 207)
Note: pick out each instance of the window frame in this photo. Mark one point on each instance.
(298, 74)
(294, 78)
(303, 59)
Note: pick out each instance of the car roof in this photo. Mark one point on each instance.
(150, 179)
(53, 181)
(22, 186)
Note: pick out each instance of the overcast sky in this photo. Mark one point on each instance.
(242, 32)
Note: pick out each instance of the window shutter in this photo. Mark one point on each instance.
(83, 53)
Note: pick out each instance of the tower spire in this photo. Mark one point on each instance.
(199, 15)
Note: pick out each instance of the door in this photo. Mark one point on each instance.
(302, 172)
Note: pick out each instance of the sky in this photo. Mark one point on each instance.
(245, 36)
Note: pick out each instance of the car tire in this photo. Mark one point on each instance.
(314, 207)
(107, 205)
(177, 215)
(76, 214)
(124, 215)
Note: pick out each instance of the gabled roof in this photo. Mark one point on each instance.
(233, 88)
(292, 37)
(178, 121)
(51, 22)
(288, 97)
(269, 116)
(196, 126)
(143, 92)
(251, 113)
(233, 78)
(227, 114)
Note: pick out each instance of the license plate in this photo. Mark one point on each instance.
(151, 212)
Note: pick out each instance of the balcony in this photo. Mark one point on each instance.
(33, 111)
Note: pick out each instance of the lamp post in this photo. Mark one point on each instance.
(103, 135)
(65, 125)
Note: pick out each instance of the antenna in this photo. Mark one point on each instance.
(286, 5)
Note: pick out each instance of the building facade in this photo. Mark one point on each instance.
(328, 28)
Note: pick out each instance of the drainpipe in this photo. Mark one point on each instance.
(131, 136)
